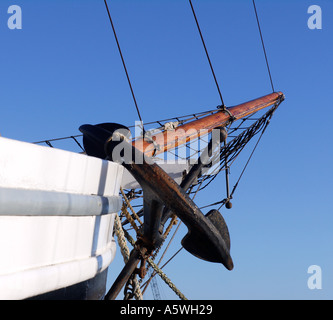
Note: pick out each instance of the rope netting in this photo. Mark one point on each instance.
(240, 134)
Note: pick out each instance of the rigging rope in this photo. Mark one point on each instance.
(124, 65)
(126, 253)
(209, 61)
(251, 155)
(154, 266)
(130, 206)
(263, 45)
(234, 147)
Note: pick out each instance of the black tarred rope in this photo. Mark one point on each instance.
(209, 61)
(263, 45)
(124, 65)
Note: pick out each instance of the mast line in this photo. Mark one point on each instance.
(124, 65)
(263, 45)
(209, 61)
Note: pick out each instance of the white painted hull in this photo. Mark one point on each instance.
(57, 211)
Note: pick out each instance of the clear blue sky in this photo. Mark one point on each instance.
(63, 70)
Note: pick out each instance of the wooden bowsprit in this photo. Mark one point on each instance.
(167, 140)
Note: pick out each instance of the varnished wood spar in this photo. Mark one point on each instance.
(170, 139)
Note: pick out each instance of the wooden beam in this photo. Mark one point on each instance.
(172, 138)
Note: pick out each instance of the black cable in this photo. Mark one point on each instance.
(124, 65)
(263, 45)
(210, 63)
